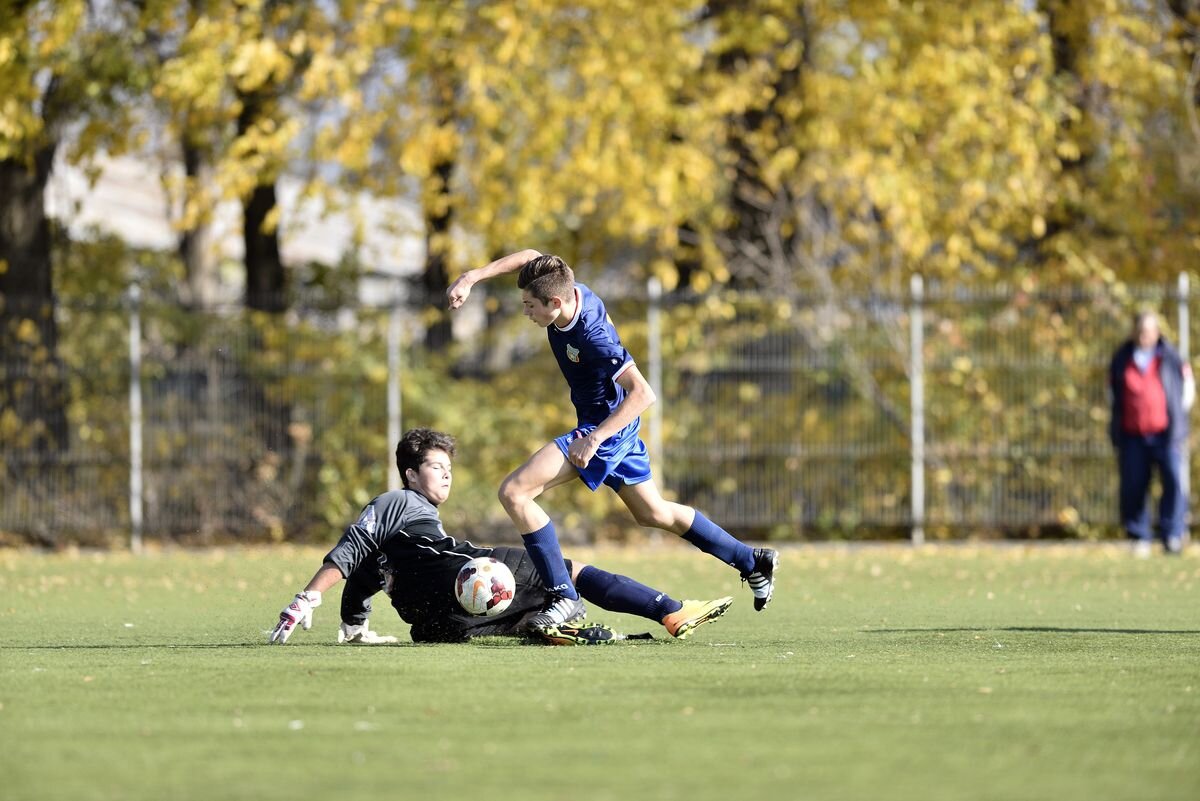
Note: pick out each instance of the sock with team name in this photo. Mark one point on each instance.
(542, 547)
(716, 541)
(622, 594)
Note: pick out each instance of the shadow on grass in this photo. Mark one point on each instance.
(128, 646)
(1034, 630)
(479, 642)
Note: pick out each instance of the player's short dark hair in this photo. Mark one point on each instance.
(547, 277)
(410, 453)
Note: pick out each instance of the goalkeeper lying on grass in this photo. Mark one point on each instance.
(398, 545)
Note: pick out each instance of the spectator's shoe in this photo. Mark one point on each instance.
(762, 578)
(579, 634)
(1174, 546)
(694, 614)
(362, 635)
(1142, 549)
(558, 611)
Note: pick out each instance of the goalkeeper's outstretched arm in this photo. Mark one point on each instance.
(300, 610)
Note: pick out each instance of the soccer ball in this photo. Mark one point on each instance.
(485, 586)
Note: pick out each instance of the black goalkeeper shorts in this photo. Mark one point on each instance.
(449, 622)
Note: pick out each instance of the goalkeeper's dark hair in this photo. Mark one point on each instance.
(415, 444)
(547, 277)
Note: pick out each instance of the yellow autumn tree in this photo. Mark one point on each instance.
(568, 126)
(241, 86)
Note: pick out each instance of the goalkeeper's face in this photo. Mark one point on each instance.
(433, 478)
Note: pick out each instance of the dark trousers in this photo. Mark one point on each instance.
(1137, 455)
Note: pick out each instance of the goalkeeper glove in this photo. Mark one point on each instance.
(300, 610)
(362, 635)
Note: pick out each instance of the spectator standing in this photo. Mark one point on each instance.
(1152, 389)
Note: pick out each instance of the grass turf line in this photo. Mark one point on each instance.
(946, 673)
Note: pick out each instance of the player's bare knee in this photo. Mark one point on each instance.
(655, 518)
(506, 495)
(512, 495)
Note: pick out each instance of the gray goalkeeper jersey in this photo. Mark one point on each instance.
(399, 533)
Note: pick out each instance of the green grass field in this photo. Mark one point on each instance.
(878, 673)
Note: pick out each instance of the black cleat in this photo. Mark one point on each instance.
(762, 578)
(579, 634)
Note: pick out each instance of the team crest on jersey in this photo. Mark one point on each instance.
(573, 354)
(367, 519)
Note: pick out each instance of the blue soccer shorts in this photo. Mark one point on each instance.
(622, 459)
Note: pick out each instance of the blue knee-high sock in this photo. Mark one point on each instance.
(712, 539)
(622, 594)
(542, 547)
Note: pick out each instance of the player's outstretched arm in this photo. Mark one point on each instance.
(460, 290)
(300, 610)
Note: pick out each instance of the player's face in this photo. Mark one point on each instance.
(1147, 333)
(541, 313)
(433, 477)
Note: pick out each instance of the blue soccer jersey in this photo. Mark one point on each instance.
(591, 357)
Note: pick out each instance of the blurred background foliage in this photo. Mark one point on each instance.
(783, 168)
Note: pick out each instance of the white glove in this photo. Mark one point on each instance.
(362, 635)
(300, 610)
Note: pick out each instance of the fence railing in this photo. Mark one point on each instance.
(940, 411)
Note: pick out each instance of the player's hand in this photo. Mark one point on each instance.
(299, 611)
(459, 291)
(362, 635)
(582, 449)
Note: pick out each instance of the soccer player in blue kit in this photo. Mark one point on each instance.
(609, 394)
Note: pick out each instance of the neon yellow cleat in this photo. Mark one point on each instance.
(694, 613)
(579, 634)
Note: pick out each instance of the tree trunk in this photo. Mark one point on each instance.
(31, 384)
(1066, 47)
(436, 276)
(751, 201)
(195, 243)
(265, 280)
(1187, 17)
(264, 292)
(264, 267)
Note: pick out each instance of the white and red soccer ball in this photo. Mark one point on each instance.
(485, 586)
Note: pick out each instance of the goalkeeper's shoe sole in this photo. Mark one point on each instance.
(694, 614)
(762, 578)
(578, 634)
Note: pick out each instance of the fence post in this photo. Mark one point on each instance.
(393, 390)
(917, 400)
(135, 419)
(654, 348)
(1185, 472)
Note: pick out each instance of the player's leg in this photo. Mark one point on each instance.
(1172, 505)
(618, 593)
(544, 470)
(756, 565)
(1133, 460)
(651, 509)
(528, 602)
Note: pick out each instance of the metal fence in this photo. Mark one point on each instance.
(945, 411)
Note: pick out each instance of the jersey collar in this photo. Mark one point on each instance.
(578, 312)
